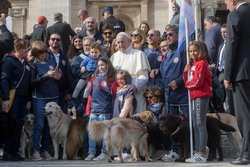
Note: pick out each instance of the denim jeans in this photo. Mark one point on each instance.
(41, 127)
(92, 143)
(181, 109)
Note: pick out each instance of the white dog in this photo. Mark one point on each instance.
(27, 134)
(59, 126)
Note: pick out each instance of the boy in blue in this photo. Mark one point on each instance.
(88, 67)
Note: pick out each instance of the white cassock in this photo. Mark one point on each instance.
(136, 63)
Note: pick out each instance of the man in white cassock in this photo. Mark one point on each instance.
(136, 63)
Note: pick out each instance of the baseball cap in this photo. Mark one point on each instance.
(107, 9)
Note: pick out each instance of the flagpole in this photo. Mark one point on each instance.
(189, 99)
(196, 5)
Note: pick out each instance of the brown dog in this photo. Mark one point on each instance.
(118, 133)
(233, 137)
(77, 130)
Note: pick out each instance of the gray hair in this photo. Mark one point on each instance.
(123, 34)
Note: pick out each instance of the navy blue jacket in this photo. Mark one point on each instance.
(44, 87)
(213, 40)
(98, 36)
(153, 57)
(12, 70)
(101, 94)
(65, 82)
(171, 69)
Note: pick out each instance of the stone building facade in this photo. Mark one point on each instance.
(156, 12)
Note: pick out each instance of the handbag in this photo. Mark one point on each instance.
(12, 93)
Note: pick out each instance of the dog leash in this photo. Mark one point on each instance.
(27, 134)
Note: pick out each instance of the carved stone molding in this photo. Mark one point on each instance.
(209, 7)
(17, 12)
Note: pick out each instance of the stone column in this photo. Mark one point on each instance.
(19, 20)
(144, 10)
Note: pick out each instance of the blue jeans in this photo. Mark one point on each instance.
(41, 127)
(92, 143)
(181, 109)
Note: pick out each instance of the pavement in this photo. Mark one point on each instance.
(81, 163)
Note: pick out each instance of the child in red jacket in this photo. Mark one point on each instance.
(199, 84)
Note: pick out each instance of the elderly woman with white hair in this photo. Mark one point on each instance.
(136, 63)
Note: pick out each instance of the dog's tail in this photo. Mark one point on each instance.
(97, 129)
(226, 127)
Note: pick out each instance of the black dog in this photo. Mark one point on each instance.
(156, 137)
(178, 129)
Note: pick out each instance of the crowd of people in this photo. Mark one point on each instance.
(104, 73)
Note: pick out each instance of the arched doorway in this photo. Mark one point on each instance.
(129, 24)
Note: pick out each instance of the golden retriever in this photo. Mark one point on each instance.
(119, 133)
(59, 126)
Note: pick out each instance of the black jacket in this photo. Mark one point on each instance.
(64, 30)
(117, 24)
(6, 41)
(39, 34)
(237, 49)
(12, 70)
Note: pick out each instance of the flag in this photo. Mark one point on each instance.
(186, 11)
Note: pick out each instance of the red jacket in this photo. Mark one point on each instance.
(200, 82)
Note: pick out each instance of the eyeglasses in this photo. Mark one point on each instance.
(55, 39)
(150, 35)
(134, 35)
(169, 34)
(149, 97)
(42, 52)
(163, 46)
(108, 33)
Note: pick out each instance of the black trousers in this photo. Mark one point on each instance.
(241, 95)
(17, 113)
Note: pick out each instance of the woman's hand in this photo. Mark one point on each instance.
(5, 105)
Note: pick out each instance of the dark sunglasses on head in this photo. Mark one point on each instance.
(108, 33)
(55, 39)
(134, 35)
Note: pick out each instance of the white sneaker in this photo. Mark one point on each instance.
(100, 157)
(170, 157)
(46, 155)
(90, 157)
(126, 157)
(196, 159)
(1, 152)
(36, 156)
